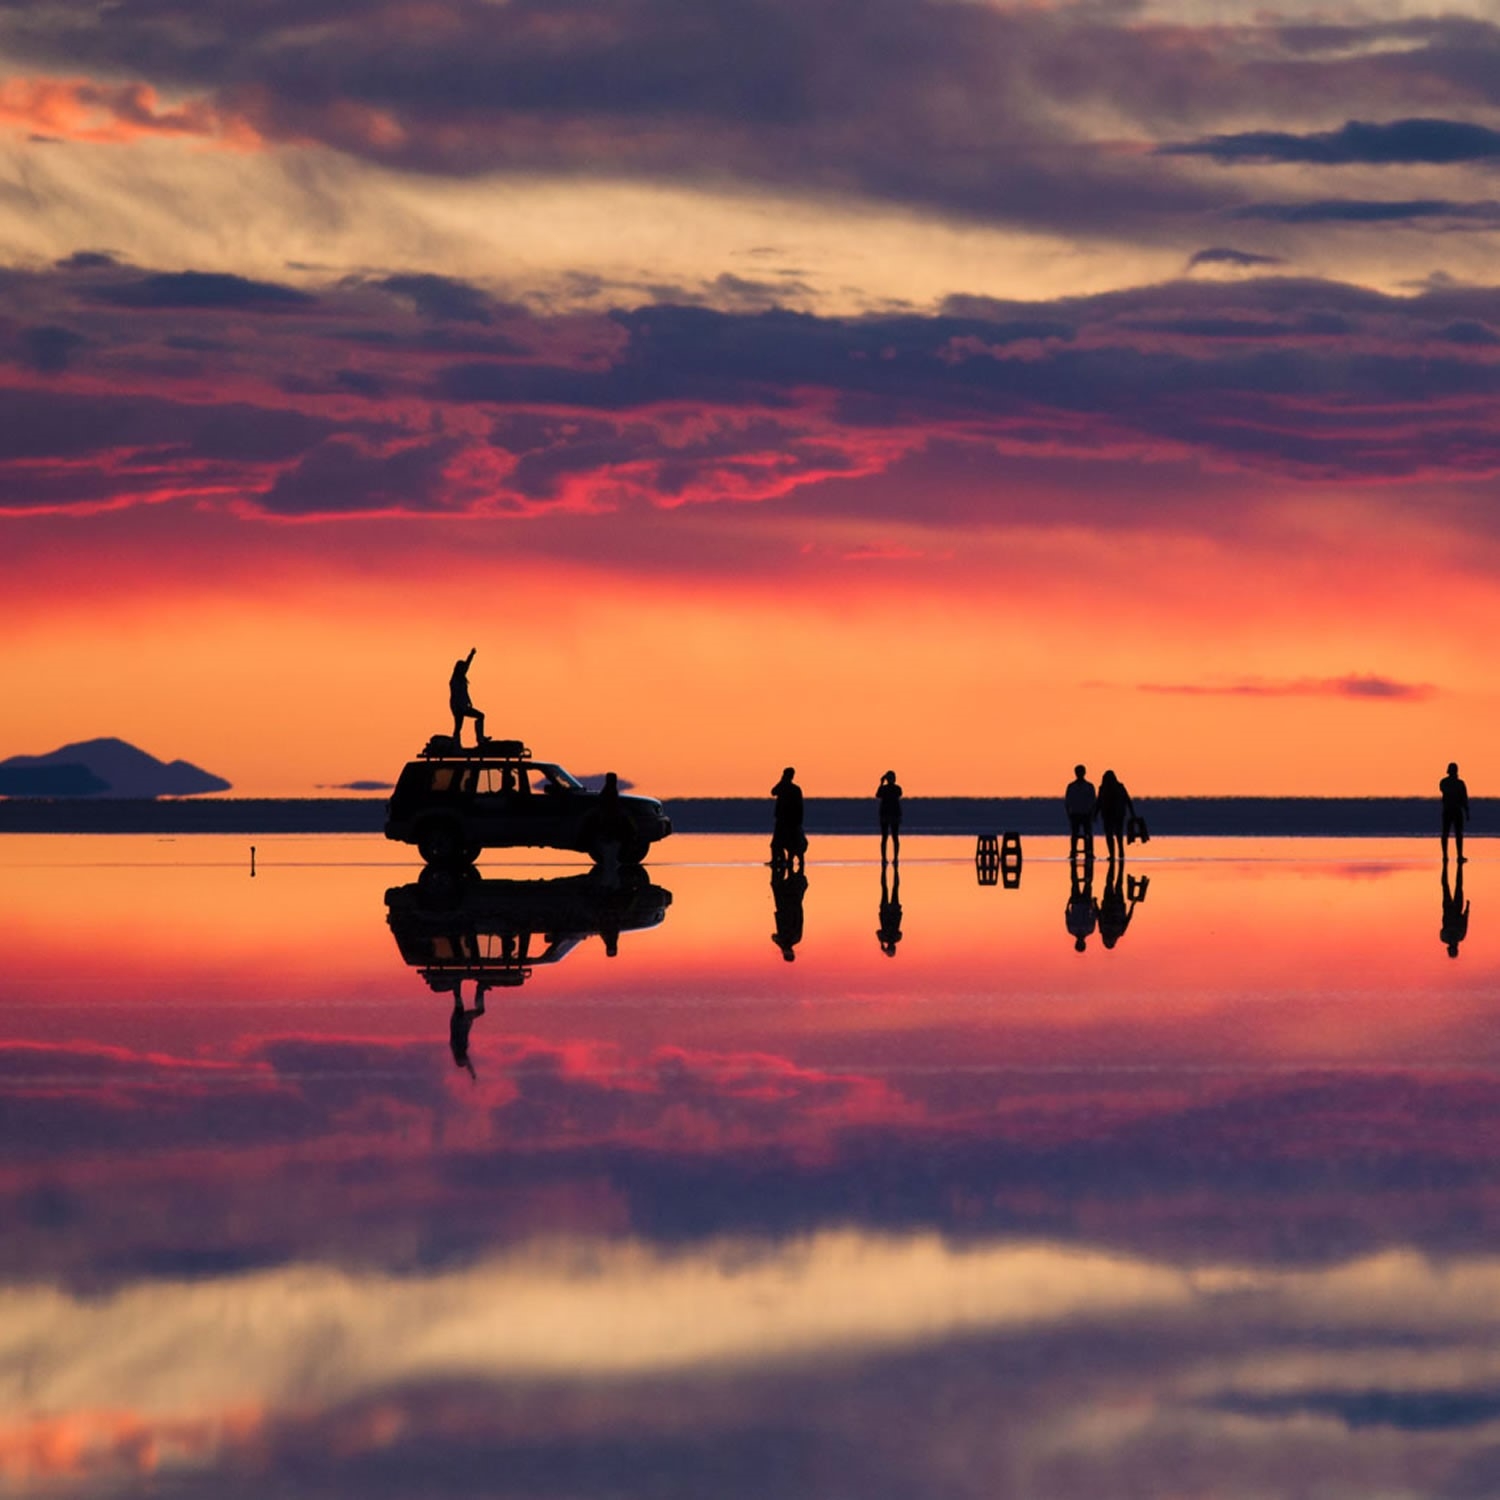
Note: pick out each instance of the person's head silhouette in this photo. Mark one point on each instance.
(1081, 771)
(1453, 768)
(1080, 945)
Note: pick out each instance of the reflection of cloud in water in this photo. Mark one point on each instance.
(175, 1372)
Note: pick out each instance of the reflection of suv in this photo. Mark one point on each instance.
(453, 805)
(452, 925)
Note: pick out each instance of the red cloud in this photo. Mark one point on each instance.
(79, 109)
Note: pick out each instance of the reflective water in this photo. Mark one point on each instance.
(942, 1206)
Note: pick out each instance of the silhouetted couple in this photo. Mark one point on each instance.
(1111, 805)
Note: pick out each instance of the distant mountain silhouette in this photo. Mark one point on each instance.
(103, 768)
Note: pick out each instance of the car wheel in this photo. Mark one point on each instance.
(443, 843)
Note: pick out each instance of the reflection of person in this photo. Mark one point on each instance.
(1082, 911)
(1455, 809)
(461, 1022)
(1080, 803)
(459, 702)
(787, 891)
(1114, 910)
(1114, 806)
(890, 910)
(888, 794)
(1455, 911)
(788, 842)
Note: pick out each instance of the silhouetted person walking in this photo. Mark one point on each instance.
(1455, 911)
(788, 841)
(1115, 911)
(1082, 911)
(459, 701)
(890, 909)
(787, 892)
(1455, 809)
(1080, 803)
(1114, 806)
(888, 794)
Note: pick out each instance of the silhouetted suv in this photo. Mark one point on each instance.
(453, 805)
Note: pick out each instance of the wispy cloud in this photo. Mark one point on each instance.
(1355, 685)
(1226, 255)
(1484, 213)
(1396, 143)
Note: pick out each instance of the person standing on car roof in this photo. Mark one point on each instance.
(459, 701)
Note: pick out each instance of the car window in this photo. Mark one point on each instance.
(443, 778)
(497, 779)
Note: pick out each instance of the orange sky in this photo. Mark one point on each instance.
(986, 667)
(973, 390)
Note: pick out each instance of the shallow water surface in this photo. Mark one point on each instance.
(331, 1181)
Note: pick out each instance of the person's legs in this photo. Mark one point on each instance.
(1114, 839)
(1449, 820)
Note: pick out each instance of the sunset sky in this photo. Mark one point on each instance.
(970, 388)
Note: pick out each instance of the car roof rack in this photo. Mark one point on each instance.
(443, 747)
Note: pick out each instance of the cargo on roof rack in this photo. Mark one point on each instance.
(445, 747)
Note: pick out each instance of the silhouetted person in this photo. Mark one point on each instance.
(1455, 911)
(1455, 809)
(459, 702)
(1082, 911)
(890, 909)
(788, 842)
(888, 794)
(1115, 911)
(461, 1022)
(1080, 803)
(613, 825)
(1114, 806)
(787, 890)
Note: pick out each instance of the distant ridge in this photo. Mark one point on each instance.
(103, 769)
(1169, 817)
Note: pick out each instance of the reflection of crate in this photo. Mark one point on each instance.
(997, 859)
(1010, 861)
